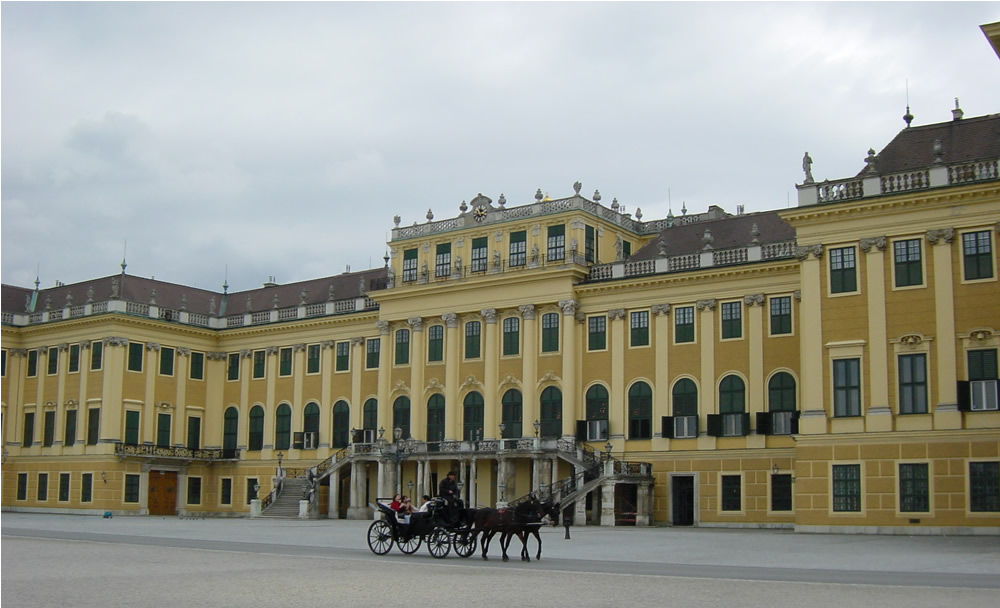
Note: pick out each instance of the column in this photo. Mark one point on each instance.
(661, 374)
(150, 411)
(811, 355)
(879, 414)
(180, 407)
(360, 360)
(529, 366)
(418, 359)
(212, 425)
(608, 503)
(298, 375)
(332, 512)
(491, 371)
(111, 392)
(708, 395)
(570, 357)
(452, 359)
(384, 378)
(616, 398)
(946, 413)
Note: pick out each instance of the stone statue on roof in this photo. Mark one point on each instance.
(807, 163)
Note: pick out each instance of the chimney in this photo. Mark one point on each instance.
(957, 113)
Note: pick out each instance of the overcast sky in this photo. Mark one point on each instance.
(281, 139)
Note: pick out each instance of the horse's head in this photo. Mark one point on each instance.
(550, 510)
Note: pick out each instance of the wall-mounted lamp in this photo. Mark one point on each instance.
(607, 448)
(774, 469)
(503, 427)
(104, 476)
(381, 432)
(537, 425)
(5, 454)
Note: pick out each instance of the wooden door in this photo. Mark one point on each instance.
(683, 500)
(163, 493)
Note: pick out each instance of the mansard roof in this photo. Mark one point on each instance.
(962, 140)
(726, 233)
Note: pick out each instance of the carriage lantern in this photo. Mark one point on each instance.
(537, 425)
(607, 448)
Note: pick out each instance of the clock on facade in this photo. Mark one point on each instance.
(480, 213)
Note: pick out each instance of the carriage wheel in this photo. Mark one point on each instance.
(380, 537)
(439, 543)
(464, 543)
(409, 545)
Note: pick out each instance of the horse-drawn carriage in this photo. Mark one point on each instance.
(441, 526)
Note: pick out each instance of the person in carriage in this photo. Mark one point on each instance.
(448, 490)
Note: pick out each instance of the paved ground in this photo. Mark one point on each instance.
(88, 561)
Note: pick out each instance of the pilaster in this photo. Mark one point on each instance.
(452, 359)
(616, 397)
(570, 359)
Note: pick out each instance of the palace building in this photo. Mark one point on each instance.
(828, 367)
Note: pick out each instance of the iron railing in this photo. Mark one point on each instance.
(173, 452)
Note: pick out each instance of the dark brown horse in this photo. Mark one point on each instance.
(535, 514)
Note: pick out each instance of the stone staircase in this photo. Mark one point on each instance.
(286, 506)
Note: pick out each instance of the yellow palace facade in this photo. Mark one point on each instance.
(831, 366)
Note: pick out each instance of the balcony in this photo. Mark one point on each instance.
(154, 452)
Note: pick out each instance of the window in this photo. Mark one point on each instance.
(511, 336)
(982, 379)
(442, 260)
(74, 358)
(401, 416)
(22, 486)
(166, 361)
(230, 430)
(3, 362)
(49, 429)
(435, 418)
(259, 364)
(589, 245)
(626, 250)
(96, 355)
(197, 362)
(914, 491)
(162, 430)
(473, 339)
(29, 430)
(551, 413)
(256, 438)
(409, 265)
(511, 414)
(310, 426)
(640, 411)
(341, 424)
(226, 491)
(233, 367)
(283, 427)
(518, 248)
(252, 484)
(846, 488)
(194, 491)
(597, 414)
(685, 419)
(135, 356)
(732, 400)
(285, 361)
(906, 259)
(52, 360)
(732, 320)
(402, 346)
(550, 332)
(69, 433)
(597, 333)
(43, 487)
(63, 487)
(435, 343)
(131, 488)
(194, 433)
(781, 492)
(32, 363)
(684, 324)
(731, 493)
(984, 487)
(913, 384)
(977, 255)
(369, 416)
(639, 328)
(557, 242)
(312, 358)
(87, 487)
(846, 387)
(93, 425)
(132, 427)
(472, 417)
(372, 349)
(479, 249)
(343, 356)
(780, 405)
(843, 278)
(781, 315)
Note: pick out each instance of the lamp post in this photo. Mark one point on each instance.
(280, 456)
(461, 484)
(409, 484)
(537, 425)
(397, 434)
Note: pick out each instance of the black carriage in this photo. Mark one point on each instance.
(438, 526)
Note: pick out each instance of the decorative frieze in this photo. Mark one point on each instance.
(527, 311)
(616, 313)
(215, 356)
(115, 341)
(383, 327)
(183, 351)
(489, 315)
(356, 340)
(982, 334)
(271, 350)
(450, 320)
(568, 307)
(660, 309)
(941, 235)
(877, 242)
(706, 304)
(154, 346)
(802, 252)
(756, 299)
(298, 347)
(327, 344)
(416, 323)
(245, 353)
(797, 294)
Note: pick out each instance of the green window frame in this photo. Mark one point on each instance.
(843, 270)
(283, 427)
(310, 424)
(69, 431)
(285, 361)
(74, 358)
(341, 424)
(313, 357)
(233, 367)
(29, 430)
(626, 249)
(846, 488)
(196, 362)
(913, 384)
(518, 251)
(93, 425)
(231, 428)
(256, 435)
(343, 362)
(32, 363)
(435, 418)
(132, 427)
(781, 315)
(166, 361)
(732, 320)
(435, 343)
(194, 433)
(52, 360)
(732, 405)
(373, 348)
(511, 336)
(984, 487)
(551, 413)
(49, 428)
(597, 333)
(163, 430)
(556, 243)
(550, 332)
(597, 404)
(914, 488)
(473, 339)
(685, 397)
(402, 347)
(87, 487)
(846, 387)
(640, 411)
(442, 260)
(96, 355)
(977, 255)
(639, 328)
(226, 491)
(683, 324)
(43, 487)
(135, 355)
(63, 487)
(252, 488)
(472, 417)
(511, 414)
(22, 486)
(907, 263)
(194, 490)
(781, 492)
(369, 415)
(259, 364)
(401, 416)
(131, 488)
(409, 265)
(589, 245)
(732, 489)
(480, 246)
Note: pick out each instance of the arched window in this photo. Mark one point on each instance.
(369, 415)
(640, 411)
(230, 431)
(551, 410)
(597, 413)
(510, 415)
(435, 418)
(732, 403)
(780, 405)
(472, 417)
(684, 423)
(401, 417)
(310, 424)
(341, 424)
(256, 428)
(283, 427)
